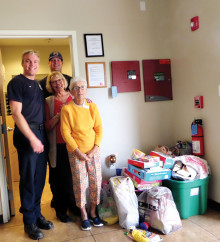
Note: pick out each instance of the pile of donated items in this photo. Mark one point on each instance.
(137, 198)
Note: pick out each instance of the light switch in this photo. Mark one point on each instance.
(142, 6)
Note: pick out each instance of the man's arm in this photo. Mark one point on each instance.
(23, 126)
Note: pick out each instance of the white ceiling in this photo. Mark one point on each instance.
(34, 42)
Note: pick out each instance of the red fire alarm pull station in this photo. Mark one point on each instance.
(198, 102)
(194, 23)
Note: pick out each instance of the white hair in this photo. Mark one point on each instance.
(76, 79)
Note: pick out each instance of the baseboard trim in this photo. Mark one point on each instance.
(214, 205)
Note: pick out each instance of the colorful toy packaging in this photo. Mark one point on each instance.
(140, 235)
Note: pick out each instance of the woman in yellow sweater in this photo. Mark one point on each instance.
(81, 129)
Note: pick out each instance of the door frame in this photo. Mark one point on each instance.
(44, 34)
(36, 34)
(6, 188)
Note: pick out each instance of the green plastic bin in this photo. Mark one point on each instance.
(190, 196)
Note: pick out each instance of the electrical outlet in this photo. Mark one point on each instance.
(112, 166)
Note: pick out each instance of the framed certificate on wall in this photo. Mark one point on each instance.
(94, 45)
(96, 74)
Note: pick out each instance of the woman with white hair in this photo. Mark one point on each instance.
(81, 129)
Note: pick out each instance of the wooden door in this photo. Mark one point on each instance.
(12, 150)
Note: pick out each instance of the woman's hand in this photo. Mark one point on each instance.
(57, 116)
(92, 152)
(81, 155)
(88, 100)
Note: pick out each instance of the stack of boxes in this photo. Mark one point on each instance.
(148, 171)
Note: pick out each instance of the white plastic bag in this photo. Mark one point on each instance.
(107, 209)
(157, 208)
(196, 163)
(126, 201)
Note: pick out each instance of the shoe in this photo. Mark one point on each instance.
(86, 225)
(33, 231)
(20, 210)
(42, 223)
(52, 203)
(63, 217)
(97, 222)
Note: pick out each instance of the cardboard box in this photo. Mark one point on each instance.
(150, 175)
(167, 160)
(149, 158)
(144, 164)
(139, 183)
(137, 179)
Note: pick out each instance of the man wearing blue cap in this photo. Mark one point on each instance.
(55, 64)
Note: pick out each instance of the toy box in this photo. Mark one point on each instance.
(139, 183)
(148, 174)
(144, 164)
(167, 160)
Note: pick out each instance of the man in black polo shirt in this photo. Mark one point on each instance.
(27, 106)
(55, 64)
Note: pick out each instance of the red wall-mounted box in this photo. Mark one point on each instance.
(157, 80)
(126, 76)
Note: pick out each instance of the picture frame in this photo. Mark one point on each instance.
(94, 45)
(96, 74)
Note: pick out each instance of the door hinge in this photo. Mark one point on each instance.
(10, 195)
(4, 130)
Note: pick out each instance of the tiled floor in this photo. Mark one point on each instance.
(197, 228)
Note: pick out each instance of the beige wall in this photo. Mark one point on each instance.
(162, 31)
(195, 64)
(128, 34)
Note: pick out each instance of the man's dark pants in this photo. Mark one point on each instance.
(32, 169)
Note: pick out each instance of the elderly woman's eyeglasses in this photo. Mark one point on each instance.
(56, 81)
(77, 88)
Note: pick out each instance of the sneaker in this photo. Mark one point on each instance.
(97, 222)
(86, 225)
(63, 217)
(33, 231)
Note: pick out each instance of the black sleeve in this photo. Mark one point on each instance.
(15, 90)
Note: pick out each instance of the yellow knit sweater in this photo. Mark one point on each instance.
(81, 126)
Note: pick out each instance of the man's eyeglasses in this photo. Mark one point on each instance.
(77, 88)
(56, 81)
